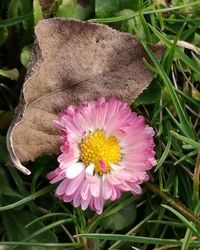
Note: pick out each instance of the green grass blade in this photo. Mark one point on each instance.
(134, 230)
(29, 198)
(187, 212)
(145, 27)
(188, 98)
(110, 211)
(12, 21)
(44, 229)
(188, 235)
(187, 140)
(136, 239)
(45, 217)
(186, 222)
(146, 12)
(186, 240)
(186, 157)
(193, 65)
(165, 153)
(173, 118)
(47, 245)
(170, 57)
(184, 119)
(166, 222)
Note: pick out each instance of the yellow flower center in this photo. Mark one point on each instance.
(99, 150)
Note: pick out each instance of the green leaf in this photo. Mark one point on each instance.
(74, 9)
(3, 150)
(13, 8)
(132, 25)
(5, 187)
(129, 25)
(25, 55)
(121, 219)
(5, 120)
(13, 74)
(150, 95)
(40, 169)
(13, 21)
(14, 224)
(3, 35)
(105, 8)
(26, 7)
(148, 10)
(195, 10)
(42, 231)
(37, 11)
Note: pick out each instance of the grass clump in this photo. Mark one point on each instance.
(167, 213)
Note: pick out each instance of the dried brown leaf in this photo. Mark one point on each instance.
(72, 62)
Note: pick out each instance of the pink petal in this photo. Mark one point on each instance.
(95, 187)
(85, 203)
(85, 190)
(136, 189)
(74, 184)
(98, 204)
(106, 189)
(77, 199)
(62, 187)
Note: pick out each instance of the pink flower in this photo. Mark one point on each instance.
(106, 150)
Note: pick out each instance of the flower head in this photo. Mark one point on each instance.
(106, 150)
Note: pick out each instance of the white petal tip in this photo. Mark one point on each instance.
(90, 169)
(74, 170)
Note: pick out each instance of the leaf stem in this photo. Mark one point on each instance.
(176, 204)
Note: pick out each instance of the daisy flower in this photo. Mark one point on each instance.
(106, 150)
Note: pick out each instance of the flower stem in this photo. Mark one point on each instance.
(175, 204)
